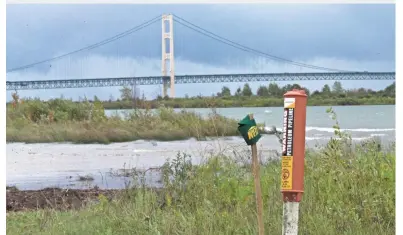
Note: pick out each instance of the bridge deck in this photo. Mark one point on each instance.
(183, 79)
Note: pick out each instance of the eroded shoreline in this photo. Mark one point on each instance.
(54, 198)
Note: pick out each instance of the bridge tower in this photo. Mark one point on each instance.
(168, 55)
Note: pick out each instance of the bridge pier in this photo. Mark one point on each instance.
(168, 55)
(165, 87)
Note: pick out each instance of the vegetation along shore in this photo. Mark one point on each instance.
(265, 96)
(348, 190)
(34, 121)
(63, 120)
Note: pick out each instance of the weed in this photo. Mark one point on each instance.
(349, 189)
(65, 121)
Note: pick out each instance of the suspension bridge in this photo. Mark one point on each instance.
(66, 65)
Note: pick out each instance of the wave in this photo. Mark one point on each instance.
(328, 138)
(376, 135)
(331, 130)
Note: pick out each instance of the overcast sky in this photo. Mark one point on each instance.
(348, 37)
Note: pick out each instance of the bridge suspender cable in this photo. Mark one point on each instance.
(248, 49)
(95, 45)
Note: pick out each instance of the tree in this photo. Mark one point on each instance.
(262, 91)
(390, 90)
(111, 98)
(290, 87)
(126, 93)
(246, 91)
(362, 90)
(238, 92)
(274, 90)
(326, 89)
(337, 88)
(316, 93)
(225, 91)
(307, 91)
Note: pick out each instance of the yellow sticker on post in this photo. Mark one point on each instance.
(286, 173)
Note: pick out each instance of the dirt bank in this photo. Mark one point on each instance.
(54, 198)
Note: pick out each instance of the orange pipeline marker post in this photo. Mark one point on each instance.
(293, 156)
(250, 133)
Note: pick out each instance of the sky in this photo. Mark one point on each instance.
(358, 37)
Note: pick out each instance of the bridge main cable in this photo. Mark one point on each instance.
(95, 45)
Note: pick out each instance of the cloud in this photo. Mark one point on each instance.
(294, 31)
(342, 36)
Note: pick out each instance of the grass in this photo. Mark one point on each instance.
(32, 124)
(348, 190)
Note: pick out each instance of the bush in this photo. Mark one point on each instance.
(63, 120)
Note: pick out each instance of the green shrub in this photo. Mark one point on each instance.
(87, 123)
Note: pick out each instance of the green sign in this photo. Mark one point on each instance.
(249, 131)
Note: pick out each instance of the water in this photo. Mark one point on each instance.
(360, 121)
(35, 166)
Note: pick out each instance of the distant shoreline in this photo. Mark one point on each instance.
(242, 103)
(265, 96)
(280, 106)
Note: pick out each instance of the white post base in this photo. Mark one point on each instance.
(290, 218)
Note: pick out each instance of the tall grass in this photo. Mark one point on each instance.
(59, 120)
(349, 189)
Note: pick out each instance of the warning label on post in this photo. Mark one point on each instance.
(288, 144)
(286, 173)
(289, 103)
(288, 128)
